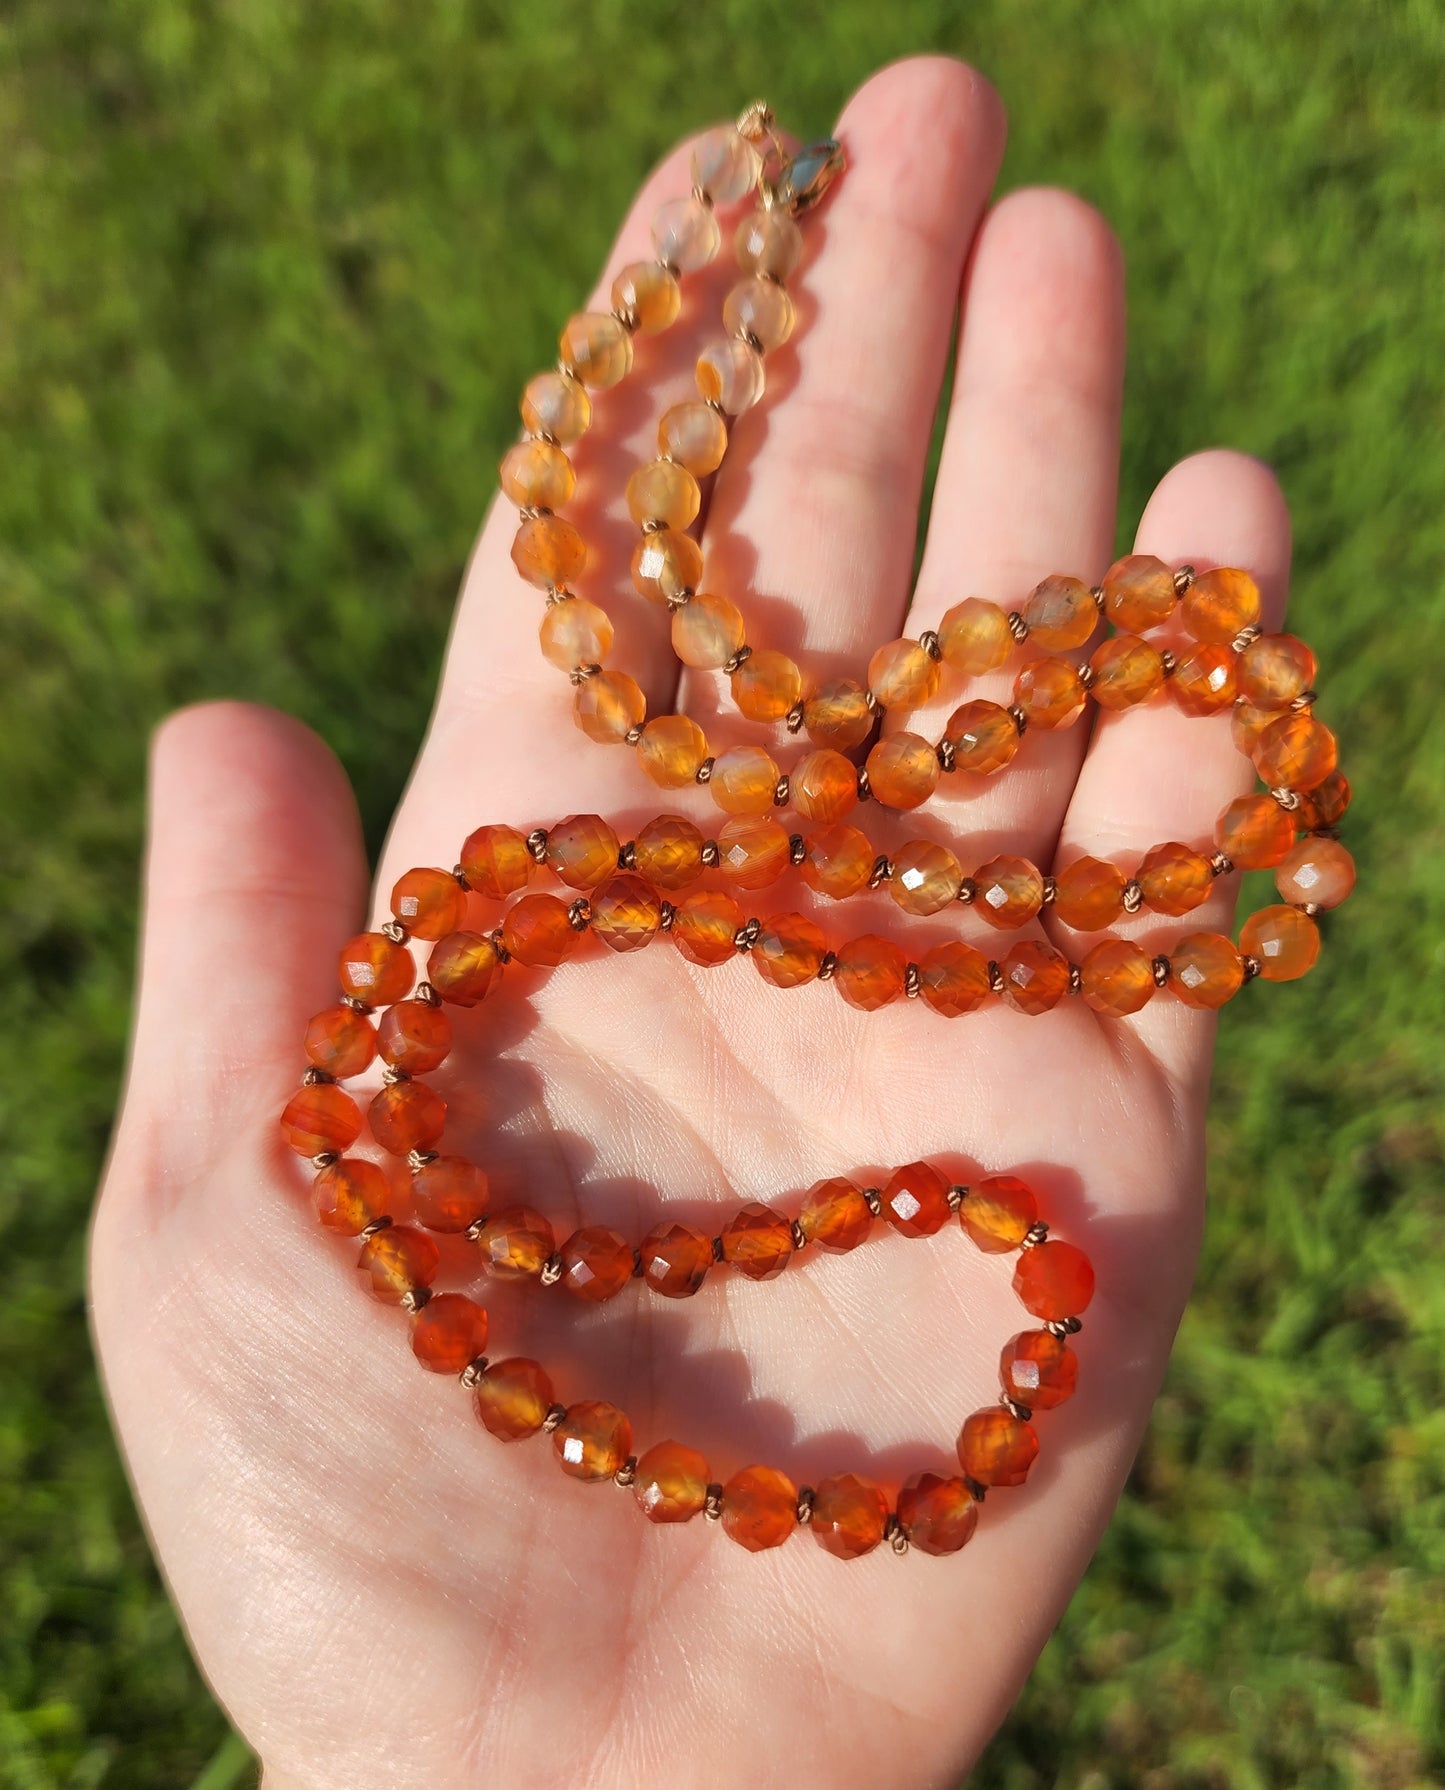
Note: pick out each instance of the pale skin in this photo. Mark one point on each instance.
(379, 1593)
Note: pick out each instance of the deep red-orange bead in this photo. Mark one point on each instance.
(788, 951)
(870, 972)
(903, 770)
(835, 1215)
(1050, 693)
(759, 1508)
(1089, 894)
(464, 968)
(1008, 891)
(668, 853)
(983, 736)
(670, 1484)
(849, 1516)
(626, 913)
(1204, 681)
(1174, 878)
(596, 1263)
(824, 785)
(429, 903)
(758, 1242)
(448, 1193)
(997, 1448)
(515, 1244)
(582, 851)
(998, 1212)
(593, 1440)
(496, 862)
(1035, 976)
(939, 1514)
(705, 926)
(838, 862)
(512, 1398)
(1295, 752)
(953, 978)
(1054, 1280)
(406, 1116)
(1255, 833)
(675, 1259)
(397, 1261)
(321, 1118)
(915, 1200)
(1038, 1369)
(375, 970)
(752, 850)
(448, 1332)
(1325, 804)
(414, 1036)
(1205, 969)
(1117, 978)
(1284, 942)
(341, 1041)
(538, 932)
(350, 1195)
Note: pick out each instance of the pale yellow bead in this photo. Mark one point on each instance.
(707, 631)
(662, 491)
(725, 165)
(769, 242)
(556, 405)
(685, 234)
(596, 348)
(730, 373)
(575, 633)
(761, 310)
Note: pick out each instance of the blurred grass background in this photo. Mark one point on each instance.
(270, 278)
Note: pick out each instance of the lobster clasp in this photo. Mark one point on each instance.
(802, 179)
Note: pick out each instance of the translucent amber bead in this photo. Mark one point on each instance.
(1319, 872)
(596, 349)
(1247, 723)
(1326, 803)
(837, 715)
(730, 374)
(1174, 878)
(926, 877)
(320, 1118)
(752, 850)
(1054, 1281)
(429, 903)
(824, 785)
(1219, 604)
(1295, 752)
(662, 491)
(695, 436)
(1035, 977)
(1204, 681)
(582, 851)
(983, 736)
(592, 1440)
(666, 565)
(705, 926)
(870, 972)
(373, 969)
(675, 1260)
(766, 685)
(1126, 671)
(670, 1484)
(838, 862)
(685, 234)
(938, 1514)
(1089, 894)
(1038, 1369)
(915, 1200)
(1285, 942)
(415, 1036)
(835, 1216)
(448, 1332)
(672, 750)
(397, 1261)
(997, 1448)
(759, 310)
(668, 853)
(788, 950)
(1060, 613)
(407, 1116)
(496, 862)
(557, 405)
(1050, 693)
(1117, 978)
(725, 165)
(448, 1194)
(758, 1242)
(759, 1508)
(1008, 892)
(998, 1213)
(515, 1244)
(744, 780)
(1139, 593)
(974, 637)
(608, 707)
(463, 968)
(903, 770)
(575, 633)
(596, 1263)
(547, 550)
(538, 932)
(849, 1516)
(341, 1041)
(770, 243)
(1255, 833)
(902, 675)
(649, 293)
(1275, 669)
(953, 978)
(350, 1195)
(537, 475)
(707, 631)
(626, 913)
(1205, 970)
(512, 1398)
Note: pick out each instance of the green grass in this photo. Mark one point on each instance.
(270, 277)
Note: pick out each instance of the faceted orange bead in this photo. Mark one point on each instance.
(707, 631)
(1117, 978)
(759, 1508)
(837, 714)
(1089, 894)
(350, 1195)
(341, 1041)
(675, 1259)
(729, 373)
(1285, 941)
(758, 1242)
(555, 404)
(448, 1332)
(671, 750)
(835, 1215)
(769, 242)
(608, 706)
(926, 877)
(1247, 723)
(397, 1261)
(448, 1193)
(953, 978)
(744, 780)
(996, 1448)
(938, 1514)
(320, 1118)
(705, 927)
(903, 675)
(537, 931)
(537, 475)
(663, 492)
(870, 972)
(1255, 833)
(548, 550)
(1219, 604)
(1295, 752)
(753, 850)
(595, 348)
(1008, 892)
(666, 565)
(415, 1036)
(788, 950)
(626, 913)
(998, 1212)
(496, 862)
(974, 637)
(1174, 878)
(1035, 977)
(1126, 671)
(849, 1516)
(839, 862)
(1319, 872)
(1054, 1280)
(649, 293)
(406, 1116)
(915, 1200)
(759, 309)
(824, 785)
(596, 1263)
(373, 969)
(512, 1398)
(1061, 613)
(1204, 681)
(668, 852)
(515, 1244)
(1275, 669)
(1326, 803)
(1205, 970)
(671, 1483)
(575, 633)
(582, 851)
(463, 968)
(983, 736)
(695, 436)
(1138, 593)
(1038, 1369)
(903, 770)
(429, 903)
(766, 685)
(593, 1440)
(1049, 692)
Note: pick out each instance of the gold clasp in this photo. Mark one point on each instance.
(802, 179)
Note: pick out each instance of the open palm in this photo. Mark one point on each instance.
(380, 1594)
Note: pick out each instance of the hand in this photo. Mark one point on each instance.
(382, 1595)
